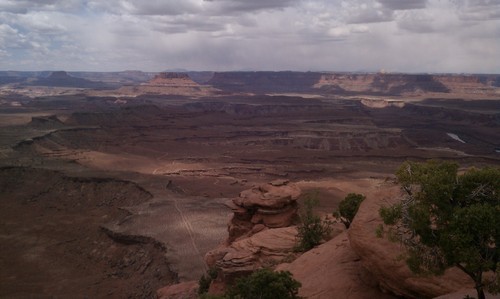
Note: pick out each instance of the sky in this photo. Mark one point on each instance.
(434, 36)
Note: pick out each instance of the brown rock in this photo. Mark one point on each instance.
(266, 247)
(275, 218)
(172, 79)
(260, 231)
(381, 257)
(185, 290)
(268, 196)
(333, 270)
(272, 205)
(467, 292)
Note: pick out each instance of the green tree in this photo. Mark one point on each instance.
(312, 229)
(447, 219)
(266, 284)
(348, 208)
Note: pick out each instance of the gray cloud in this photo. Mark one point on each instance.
(416, 36)
(479, 10)
(166, 7)
(248, 6)
(370, 16)
(24, 6)
(403, 4)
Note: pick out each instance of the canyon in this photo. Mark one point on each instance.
(119, 184)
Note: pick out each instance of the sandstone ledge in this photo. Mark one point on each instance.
(333, 270)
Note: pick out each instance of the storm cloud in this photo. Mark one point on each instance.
(152, 35)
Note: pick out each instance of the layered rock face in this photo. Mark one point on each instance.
(469, 84)
(391, 84)
(171, 79)
(259, 231)
(270, 205)
(169, 84)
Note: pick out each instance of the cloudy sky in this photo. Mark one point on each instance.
(330, 35)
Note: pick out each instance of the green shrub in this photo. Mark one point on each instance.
(206, 280)
(390, 215)
(348, 208)
(266, 284)
(312, 228)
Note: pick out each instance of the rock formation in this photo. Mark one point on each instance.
(263, 249)
(333, 270)
(168, 84)
(270, 205)
(389, 84)
(46, 122)
(382, 258)
(184, 290)
(259, 231)
(171, 79)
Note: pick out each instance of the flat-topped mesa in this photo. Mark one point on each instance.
(271, 205)
(172, 79)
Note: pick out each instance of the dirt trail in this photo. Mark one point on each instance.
(188, 226)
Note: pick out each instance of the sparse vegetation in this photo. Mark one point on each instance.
(379, 231)
(449, 220)
(265, 284)
(312, 228)
(206, 280)
(390, 215)
(348, 208)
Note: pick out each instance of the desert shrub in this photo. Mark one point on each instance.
(379, 231)
(447, 219)
(348, 208)
(206, 279)
(312, 229)
(390, 215)
(265, 284)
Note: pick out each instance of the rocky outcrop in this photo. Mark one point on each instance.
(260, 231)
(378, 103)
(270, 205)
(184, 290)
(333, 268)
(263, 249)
(382, 258)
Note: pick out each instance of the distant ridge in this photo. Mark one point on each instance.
(62, 79)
